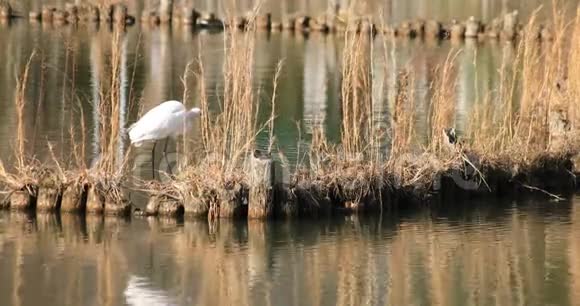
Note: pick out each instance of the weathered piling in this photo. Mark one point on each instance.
(116, 204)
(120, 12)
(165, 11)
(189, 15)
(74, 198)
(5, 10)
(321, 24)
(164, 205)
(72, 12)
(261, 191)
(302, 23)
(418, 26)
(34, 16)
(95, 200)
(209, 21)
(47, 13)
(59, 17)
(433, 29)
(24, 199)
(405, 30)
(472, 28)
(196, 205)
(510, 24)
(49, 193)
(456, 30)
(229, 201)
(493, 29)
(288, 23)
(264, 22)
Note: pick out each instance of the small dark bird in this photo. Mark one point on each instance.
(451, 135)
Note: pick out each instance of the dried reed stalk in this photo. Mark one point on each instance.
(356, 96)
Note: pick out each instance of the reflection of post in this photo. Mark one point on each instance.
(95, 64)
(315, 82)
(258, 253)
(574, 254)
(466, 91)
(123, 101)
(159, 67)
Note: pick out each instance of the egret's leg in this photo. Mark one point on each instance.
(165, 155)
(153, 160)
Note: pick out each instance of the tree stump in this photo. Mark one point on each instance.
(261, 196)
(74, 198)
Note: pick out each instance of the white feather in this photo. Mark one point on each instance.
(168, 119)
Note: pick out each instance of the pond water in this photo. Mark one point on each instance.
(499, 252)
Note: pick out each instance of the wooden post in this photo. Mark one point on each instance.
(472, 28)
(24, 199)
(5, 10)
(457, 30)
(49, 199)
(433, 29)
(95, 200)
(164, 206)
(120, 14)
(166, 11)
(47, 12)
(189, 15)
(510, 23)
(74, 198)
(261, 195)
(117, 207)
(196, 206)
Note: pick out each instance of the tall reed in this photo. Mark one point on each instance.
(356, 96)
(442, 104)
(230, 135)
(535, 108)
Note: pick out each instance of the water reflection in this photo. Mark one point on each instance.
(476, 254)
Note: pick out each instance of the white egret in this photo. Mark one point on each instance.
(168, 119)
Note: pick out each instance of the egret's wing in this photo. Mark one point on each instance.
(153, 124)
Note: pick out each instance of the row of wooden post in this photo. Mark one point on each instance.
(258, 202)
(506, 26)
